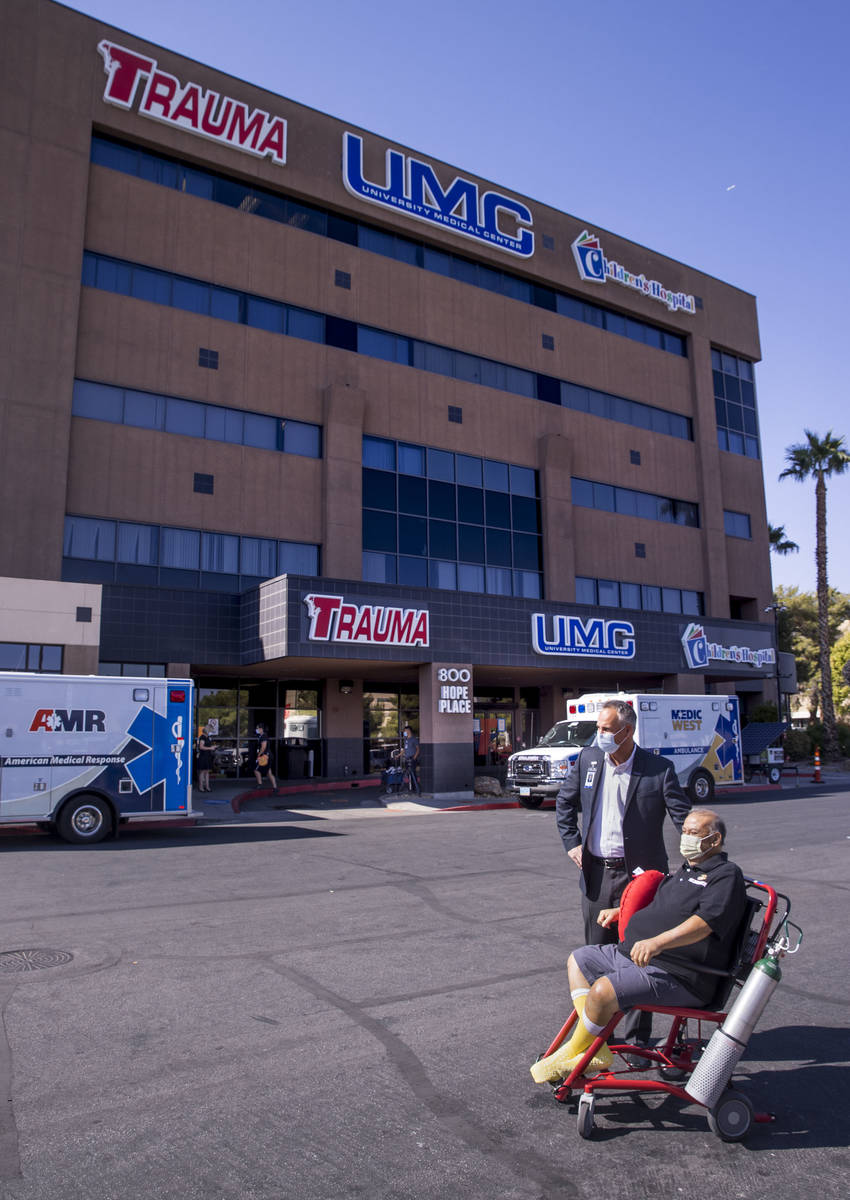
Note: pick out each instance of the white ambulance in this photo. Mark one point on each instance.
(701, 735)
(82, 754)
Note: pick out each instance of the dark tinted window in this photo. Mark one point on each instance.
(441, 500)
(379, 530)
(412, 494)
(470, 505)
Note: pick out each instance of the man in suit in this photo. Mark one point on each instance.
(623, 794)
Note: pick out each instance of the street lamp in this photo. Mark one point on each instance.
(776, 609)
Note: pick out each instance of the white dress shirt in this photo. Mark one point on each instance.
(605, 835)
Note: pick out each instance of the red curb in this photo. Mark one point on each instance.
(299, 788)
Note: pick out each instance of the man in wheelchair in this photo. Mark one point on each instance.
(691, 921)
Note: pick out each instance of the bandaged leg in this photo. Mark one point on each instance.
(565, 1059)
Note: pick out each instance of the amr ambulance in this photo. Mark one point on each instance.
(701, 735)
(81, 755)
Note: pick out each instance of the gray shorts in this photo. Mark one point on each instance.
(633, 984)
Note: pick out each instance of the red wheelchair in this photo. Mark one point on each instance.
(764, 930)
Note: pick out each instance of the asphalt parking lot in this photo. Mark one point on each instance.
(346, 1004)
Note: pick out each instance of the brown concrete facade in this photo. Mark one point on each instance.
(55, 204)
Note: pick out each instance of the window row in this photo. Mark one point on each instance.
(421, 538)
(259, 202)
(629, 503)
(410, 459)
(735, 404)
(192, 295)
(737, 524)
(161, 554)
(150, 410)
(139, 670)
(471, 368)
(627, 412)
(26, 656)
(451, 576)
(609, 593)
(449, 502)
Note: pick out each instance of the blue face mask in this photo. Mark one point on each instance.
(607, 742)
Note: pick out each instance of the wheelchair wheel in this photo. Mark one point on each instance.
(731, 1117)
(586, 1105)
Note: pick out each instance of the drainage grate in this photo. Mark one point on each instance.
(15, 962)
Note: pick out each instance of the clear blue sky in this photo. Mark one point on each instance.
(638, 116)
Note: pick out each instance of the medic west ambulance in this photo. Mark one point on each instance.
(701, 735)
(83, 754)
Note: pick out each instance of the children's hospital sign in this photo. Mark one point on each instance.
(700, 650)
(594, 267)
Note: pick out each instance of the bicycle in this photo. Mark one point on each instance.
(408, 781)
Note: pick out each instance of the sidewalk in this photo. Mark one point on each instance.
(238, 800)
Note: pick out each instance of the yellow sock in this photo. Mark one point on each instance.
(554, 1065)
(579, 998)
(581, 1039)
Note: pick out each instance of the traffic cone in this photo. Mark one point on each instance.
(817, 778)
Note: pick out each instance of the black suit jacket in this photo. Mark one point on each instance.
(653, 791)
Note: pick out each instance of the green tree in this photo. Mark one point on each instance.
(780, 543)
(798, 632)
(819, 459)
(841, 673)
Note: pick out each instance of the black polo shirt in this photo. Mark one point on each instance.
(713, 890)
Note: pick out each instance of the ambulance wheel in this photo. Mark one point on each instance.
(701, 787)
(731, 1117)
(531, 801)
(84, 819)
(774, 774)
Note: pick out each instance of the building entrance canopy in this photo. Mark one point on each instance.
(343, 620)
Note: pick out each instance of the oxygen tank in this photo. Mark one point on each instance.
(714, 1069)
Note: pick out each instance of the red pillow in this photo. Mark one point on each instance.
(637, 894)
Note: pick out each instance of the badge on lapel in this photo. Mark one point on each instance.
(591, 774)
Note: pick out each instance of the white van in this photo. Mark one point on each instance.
(82, 754)
(701, 735)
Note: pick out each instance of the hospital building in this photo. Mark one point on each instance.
(347, 433)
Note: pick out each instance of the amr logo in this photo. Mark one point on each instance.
(68, 720)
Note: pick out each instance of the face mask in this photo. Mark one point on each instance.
(690, 846)
(607, 742)
(258, 730)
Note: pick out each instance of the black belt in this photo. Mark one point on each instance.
(612, 864)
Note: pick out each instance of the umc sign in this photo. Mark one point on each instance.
(583, 636)
(412, 188)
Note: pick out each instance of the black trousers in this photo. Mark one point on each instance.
(603, 889)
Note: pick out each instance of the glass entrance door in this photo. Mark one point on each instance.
(527, 732)
(493, 736)
(385, 713)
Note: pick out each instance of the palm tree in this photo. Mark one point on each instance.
(818, 458)
(780, 543)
